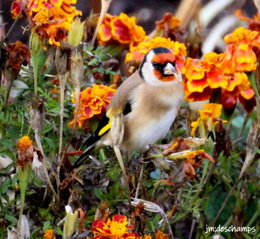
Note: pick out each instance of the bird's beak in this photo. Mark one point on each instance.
(169, 69)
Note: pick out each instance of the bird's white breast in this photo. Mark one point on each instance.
(146, 129)
(154, 130)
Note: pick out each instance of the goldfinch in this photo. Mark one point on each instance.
(144, 106)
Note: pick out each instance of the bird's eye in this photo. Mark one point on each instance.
(157, 66)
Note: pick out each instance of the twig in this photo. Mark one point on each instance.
(104, 8)
(12, 78)
(153, 207)
(185, 13)
(192, 228)
(39, 144)
(243, 126)
(255, 216)
(121, 163)
(225, 202)
(11, 28)
(139, 181)
(63, 80)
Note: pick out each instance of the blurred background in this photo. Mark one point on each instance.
(146, 12)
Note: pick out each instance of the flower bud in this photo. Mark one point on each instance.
(75, 33)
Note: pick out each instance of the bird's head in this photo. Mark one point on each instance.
(159, 66)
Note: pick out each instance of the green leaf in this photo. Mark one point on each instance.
(214, 203)
(11, 218)
(47, 225)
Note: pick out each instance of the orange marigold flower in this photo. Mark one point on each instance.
(220, 71)
(93, 101)
(241, 42)
(113, 229)
(168, 26)
(196, 85)
(138, 52)
(120, 28)
(241, 34)
(51, 19)
(25, 151)
(239, 58)
(18, 55)
(49, 234)
(160, 235)
(197, 96)
(209, 117)
(24, 143)
(147, 237)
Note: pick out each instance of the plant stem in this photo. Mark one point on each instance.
(63, 80)
(104, 8)
(39, 144)
(10, 29)
(225, 202)
(255, 216)
(139, 181)
(23, 175)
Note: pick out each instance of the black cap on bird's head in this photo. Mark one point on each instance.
(159, 66)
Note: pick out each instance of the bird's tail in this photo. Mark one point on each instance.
(91, 141)
(83, 156)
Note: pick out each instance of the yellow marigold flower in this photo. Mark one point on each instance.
(51, 19)
(120, 28)
(137, 52)
(49, 234)
(241, 42)
(113, 229)
(209, 117)
(241, 34)
(93, 101)
(210, 111)
(24, 143)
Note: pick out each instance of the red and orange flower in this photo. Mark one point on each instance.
(93, 102)
(51, 19)
(122, 29)
(137, 53)
(115, 228)
(225, 71)
(240, 49)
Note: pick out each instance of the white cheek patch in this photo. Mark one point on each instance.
(149, 75)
